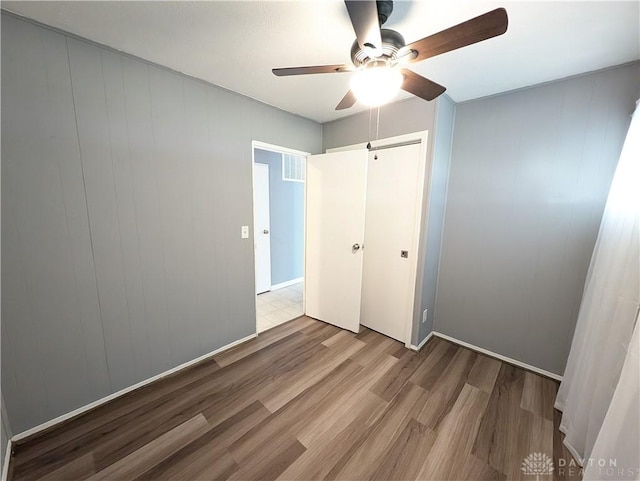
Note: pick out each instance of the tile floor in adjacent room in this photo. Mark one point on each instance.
(278, 306)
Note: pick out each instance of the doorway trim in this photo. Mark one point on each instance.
(257, 144)
(422, 214)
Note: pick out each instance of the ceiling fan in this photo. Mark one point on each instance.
(379, 55)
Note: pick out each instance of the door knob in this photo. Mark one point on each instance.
(356, 247)
(265, 231)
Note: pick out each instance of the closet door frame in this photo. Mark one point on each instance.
(421, 215)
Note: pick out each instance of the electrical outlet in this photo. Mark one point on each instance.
(244, 232)
(424, 315)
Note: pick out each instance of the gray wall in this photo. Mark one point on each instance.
(437, 195)
(124, 186)
(5, 434)
(286, 211)
(398, 118)
(530, 173)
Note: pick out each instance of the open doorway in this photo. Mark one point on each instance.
(278, 206)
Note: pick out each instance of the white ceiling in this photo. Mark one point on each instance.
(235, 44)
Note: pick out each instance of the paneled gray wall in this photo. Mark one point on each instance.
(124, 187)
(437, 195)
(286, 212)
(530, 173)
(5, 434)
(398, 118)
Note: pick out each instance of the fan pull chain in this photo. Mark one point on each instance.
(377, 127)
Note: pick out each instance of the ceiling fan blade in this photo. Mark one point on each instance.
(347, 101)
(486, 26)
(420, 86)
(283, 72)
(364, 18)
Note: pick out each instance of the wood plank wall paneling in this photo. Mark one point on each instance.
(52, 347)
(303, 402)
(437, 192)
(530, 173)
(124, 186)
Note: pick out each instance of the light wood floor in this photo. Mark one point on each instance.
(308, 401)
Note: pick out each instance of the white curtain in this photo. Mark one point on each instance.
(617, 448)
(603, 335)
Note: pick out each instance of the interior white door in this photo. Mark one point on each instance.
(335, 205)
(394, 192)
(261, 227)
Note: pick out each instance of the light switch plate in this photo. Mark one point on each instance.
(245, 232)
(424, 315)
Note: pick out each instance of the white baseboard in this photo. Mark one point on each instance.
(7, 458)
(76, 412)
(287, 283)
(421, 345)
(515, 362)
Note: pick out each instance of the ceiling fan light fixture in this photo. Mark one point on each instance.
(376, 85)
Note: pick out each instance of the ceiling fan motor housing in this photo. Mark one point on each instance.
(392, 42)
(385, 7)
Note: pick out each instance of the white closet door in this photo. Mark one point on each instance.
(335, 210)
(394, 191)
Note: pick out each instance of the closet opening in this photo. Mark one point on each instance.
(365, 231)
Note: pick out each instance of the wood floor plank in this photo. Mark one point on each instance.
(337, 405)
(307, 406)
(357, 462)
(80, 468)
(433, 365)
(265, 339)
(455, 436)
(407, 453)
(484, 373)
(267, 462)
(322, 335)
(207, 464)
(217, 400)
(537, 437)
(447, 388)
(340, 349)
(311, 428)
(188, 404)
(75, 430)
(328, 449)
(473, 468)
(99, 440)
(497, 441)
(185, 462)
(153, 453)
(399, 351)
(374, 350)
(320, 331)
(538, 395)
(252, 386)
(342, 337)
(123, 435)
(389, 385)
